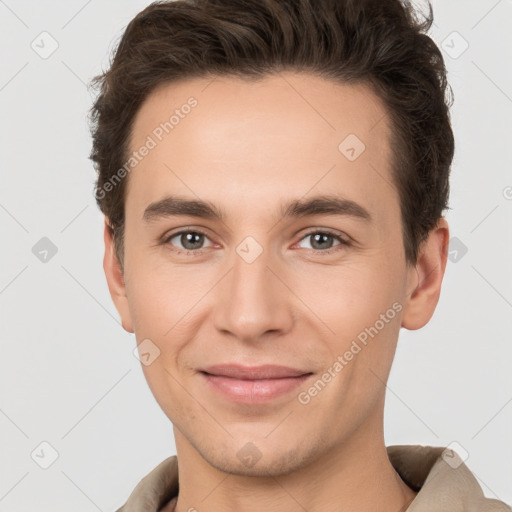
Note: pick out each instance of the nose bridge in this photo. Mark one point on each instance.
(253, 300)
(250, 272)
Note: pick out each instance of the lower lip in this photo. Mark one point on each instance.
(253, 391)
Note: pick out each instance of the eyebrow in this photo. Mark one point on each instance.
(319, 205)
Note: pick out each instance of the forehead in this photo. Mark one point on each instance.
(243, 140)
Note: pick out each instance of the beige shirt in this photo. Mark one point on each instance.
(444, 482)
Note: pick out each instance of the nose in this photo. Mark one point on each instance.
(253, 299)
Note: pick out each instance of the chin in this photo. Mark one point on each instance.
(257, 460)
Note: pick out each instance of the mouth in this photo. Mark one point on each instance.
(253, 385)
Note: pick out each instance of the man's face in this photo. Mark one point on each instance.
(259, 287)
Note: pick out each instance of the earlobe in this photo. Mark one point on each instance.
(426, 277)
(115, 279)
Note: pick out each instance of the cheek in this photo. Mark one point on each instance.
(359, 305)
(156, 298)
(164, 311)
(344, 294)
(164, 383)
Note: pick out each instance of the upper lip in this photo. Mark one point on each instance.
(267, 371)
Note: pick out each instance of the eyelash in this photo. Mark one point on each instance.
(198, 252)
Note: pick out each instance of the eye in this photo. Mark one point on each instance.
(190, 240)
(321, 241)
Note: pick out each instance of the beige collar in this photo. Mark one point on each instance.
(444, 482)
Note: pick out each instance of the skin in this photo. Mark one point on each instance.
(247, 147)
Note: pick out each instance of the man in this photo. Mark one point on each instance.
(273, 176)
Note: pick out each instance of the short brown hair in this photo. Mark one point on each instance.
(381, 43)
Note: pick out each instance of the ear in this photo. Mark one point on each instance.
(426, 276)
(115, 279)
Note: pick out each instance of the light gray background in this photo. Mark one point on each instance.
(67, 372)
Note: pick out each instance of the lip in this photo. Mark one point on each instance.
(253, 384)
(264, 371)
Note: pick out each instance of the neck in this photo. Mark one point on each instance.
(353, 476)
